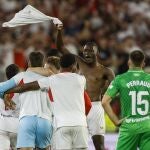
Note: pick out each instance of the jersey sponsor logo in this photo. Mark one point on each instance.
(133, 120)
(138, 83)
(3, 115)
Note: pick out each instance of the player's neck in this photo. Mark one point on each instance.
(135, 68)
(65, 70)
(94, 64)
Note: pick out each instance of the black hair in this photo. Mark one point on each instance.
(137, 57)
(12, 70)
(67, 60)
(52, 52)
(36, 59)
(91, 44)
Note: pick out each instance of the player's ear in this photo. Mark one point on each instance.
(143, 64)
(129, 62)
(74, 68)
(29, 63)
(44, 62)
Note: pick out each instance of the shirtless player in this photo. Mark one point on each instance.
(98, 78)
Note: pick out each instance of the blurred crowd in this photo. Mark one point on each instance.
(116, 26)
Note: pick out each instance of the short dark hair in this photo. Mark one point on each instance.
(54, 60)
(52, 52)
(36, 59)
(67, 60)
(11, 70)
(90, 44)
(137, 57)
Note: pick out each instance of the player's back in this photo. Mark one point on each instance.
(134, 89)
(33, 102)
(68, 93)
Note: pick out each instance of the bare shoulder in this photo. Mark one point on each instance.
(107, 72)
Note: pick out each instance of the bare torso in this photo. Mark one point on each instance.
(97, 79)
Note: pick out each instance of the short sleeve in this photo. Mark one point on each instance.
(84, 80)
(113, 88)
(44, 83)
(17, 78)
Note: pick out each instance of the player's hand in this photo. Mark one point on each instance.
(9, 104)
(59, 26)
(119, 122)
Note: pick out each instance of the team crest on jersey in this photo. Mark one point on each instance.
(136, 74)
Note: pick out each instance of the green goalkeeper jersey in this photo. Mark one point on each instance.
(133, 88)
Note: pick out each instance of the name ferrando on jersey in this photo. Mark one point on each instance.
(138, 83)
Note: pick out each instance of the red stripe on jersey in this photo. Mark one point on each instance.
(88, 104)
(21, 82)
(50, 95)
(11, 95)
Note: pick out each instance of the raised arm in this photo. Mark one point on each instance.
(59, 40)
(61, 47)
(24, 88)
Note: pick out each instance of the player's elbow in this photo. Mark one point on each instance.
(105, 101)
(49, 73)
